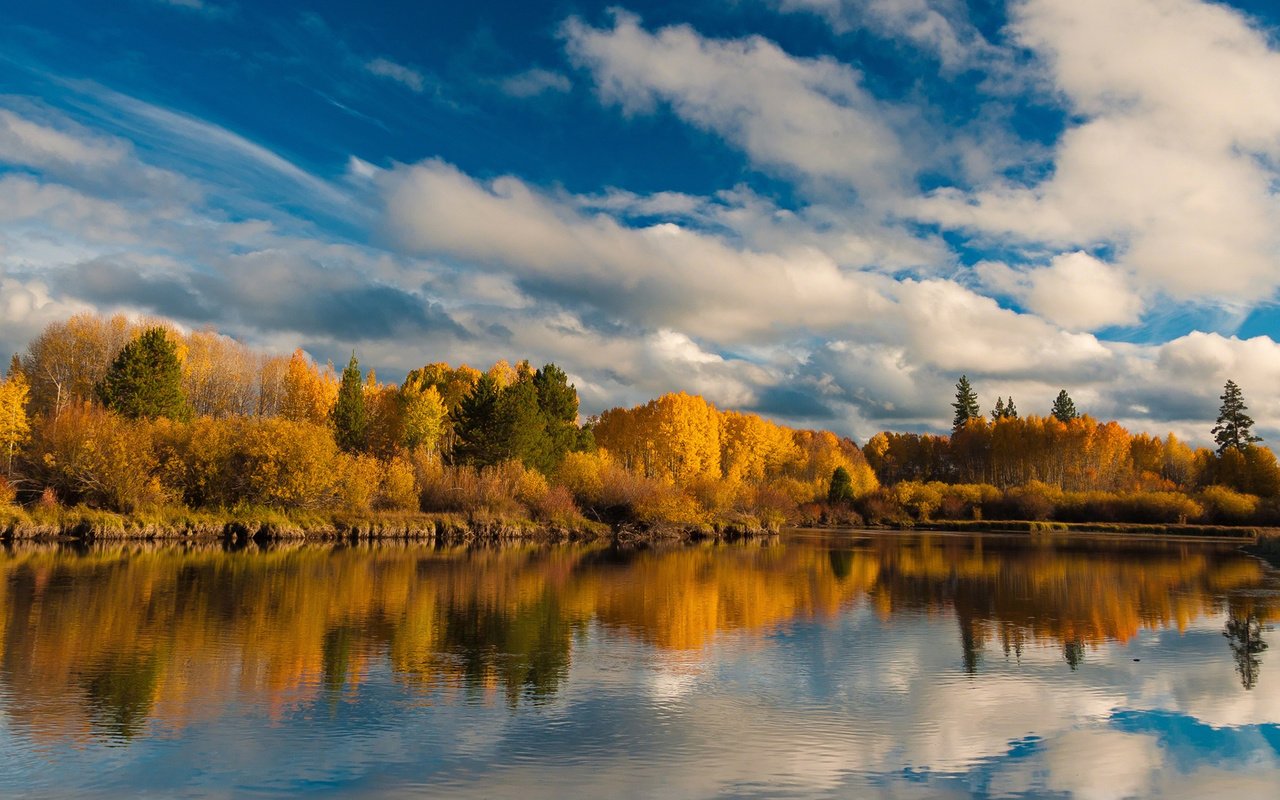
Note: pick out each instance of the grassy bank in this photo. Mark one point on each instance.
(1148, 529)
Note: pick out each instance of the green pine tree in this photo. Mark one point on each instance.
(1010, 410)
(966, 404)
(1234, 428)
(841, 490)
(478, 427)
(558, 400)
(521, 426)
(998, 411)
(145, 380)
(349, 415)
(1064, 408)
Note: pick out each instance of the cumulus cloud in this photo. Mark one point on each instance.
(1075, 291)
(1172, 159)
(805, 116)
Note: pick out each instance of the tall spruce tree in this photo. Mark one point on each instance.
(558, 400)
(478, 426)
(998, 411)
(145, 380)
(349, 415)
(1010, 410)
(1234, 428)
(966, 404)
(521, 426)
(1064, 408)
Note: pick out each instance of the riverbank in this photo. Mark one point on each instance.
(267, 525)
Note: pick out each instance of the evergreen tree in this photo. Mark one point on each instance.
(521, 426)
(145, 380)
(1010, 410)
(966, 404)
(558, 400)
(841, 490)
(350, 417)
(998, 411)
(1234, 428)
(477, 426)
(1064, 408)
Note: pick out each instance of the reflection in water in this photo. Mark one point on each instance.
(122, 645)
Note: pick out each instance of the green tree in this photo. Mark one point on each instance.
(998, 411)
(1064, 408)
(349, 415)
(1010, 410)
(558, 400)
(477, 427)
(1234, 428)
(521, 428)
(145, 380)
(841, 490)
(966, 404)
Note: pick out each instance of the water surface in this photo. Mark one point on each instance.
(807, 666)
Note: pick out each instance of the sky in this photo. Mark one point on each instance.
(824, 211)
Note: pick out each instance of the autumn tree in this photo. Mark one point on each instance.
(67, 361)
(145, 380)
(15, 428)
(1234, 428)
(350, 417)
(423, 417)
(1064, 408)
(307, 394)
(966, 404)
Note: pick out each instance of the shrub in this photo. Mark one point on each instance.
(8, 493)
(1225, 506)
(555, 507)
(1034, 501)
(359, 479)
(582, 474)
(398, 490)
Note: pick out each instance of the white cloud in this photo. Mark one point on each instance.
(406, 76)
(1172, 161)
(535, 81)
(806, 116)
(1075, 291)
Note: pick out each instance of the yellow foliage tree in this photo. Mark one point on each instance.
(309, 393)
(15, 428)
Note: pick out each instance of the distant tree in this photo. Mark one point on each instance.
(1233, 430)
(841, 490)
(998, 411)
(15, 366)
(1064, 408)
(15, 427)
(1010, 410)
(350, 417)
(145, 380)
(477, 426)
(424, 417)
(966, 404)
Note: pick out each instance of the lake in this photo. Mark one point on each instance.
(809, 665)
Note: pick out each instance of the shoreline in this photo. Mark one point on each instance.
(86, 525)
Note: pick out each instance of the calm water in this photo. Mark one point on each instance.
(813, 665)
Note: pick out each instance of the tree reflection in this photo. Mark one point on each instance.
(1244, 636)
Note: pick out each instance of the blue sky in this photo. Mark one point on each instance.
(824, 210)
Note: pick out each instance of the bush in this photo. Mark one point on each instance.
(359, 480)
(556, 507)
(96, 457)
(8, 493)
(1034, 501)
(398, 490)
(1226, 507)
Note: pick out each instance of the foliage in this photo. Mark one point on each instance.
(145, 379)
(841, 490)
(15, 427)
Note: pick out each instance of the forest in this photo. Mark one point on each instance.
(139, 418)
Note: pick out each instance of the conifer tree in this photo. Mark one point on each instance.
(1010, 410)
(1234, 428)
(145, 380)
(558, 400)
(1064, 408)
(966, 404)
(350, 417)
(521, 426)
(841, 490)
(478, 426)
(998, 411)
